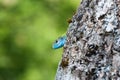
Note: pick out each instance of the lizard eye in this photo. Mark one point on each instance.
(56, 41)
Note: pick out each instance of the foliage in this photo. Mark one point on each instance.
(27, 30)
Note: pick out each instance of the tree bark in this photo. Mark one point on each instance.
(92, 50)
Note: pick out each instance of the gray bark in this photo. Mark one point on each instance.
(92, 50)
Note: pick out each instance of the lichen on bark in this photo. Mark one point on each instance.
(92, 50)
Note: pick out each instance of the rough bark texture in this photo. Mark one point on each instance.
(92, 50)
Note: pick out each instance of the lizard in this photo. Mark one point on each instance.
(59, 42)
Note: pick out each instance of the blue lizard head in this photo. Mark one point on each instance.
(59, 42)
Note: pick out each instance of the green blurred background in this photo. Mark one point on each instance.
(27, 30)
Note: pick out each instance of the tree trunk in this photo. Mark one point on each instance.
(92, 50)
